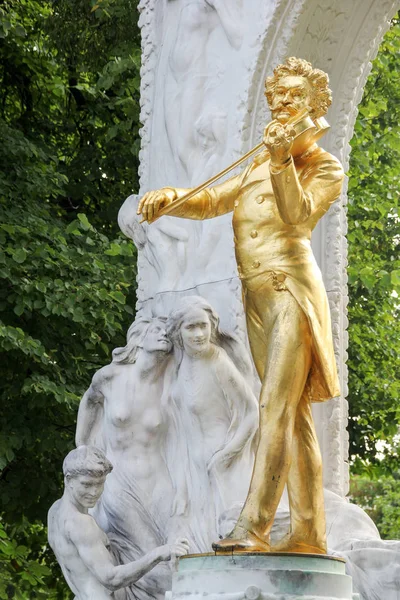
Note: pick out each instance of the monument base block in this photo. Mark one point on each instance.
(261, 577)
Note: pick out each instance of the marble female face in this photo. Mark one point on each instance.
(196, 331)
(156, 338)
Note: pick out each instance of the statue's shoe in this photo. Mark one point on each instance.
(243, 541)
(291, 543)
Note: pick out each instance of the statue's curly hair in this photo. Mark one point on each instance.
(86, 460)
(321, 96)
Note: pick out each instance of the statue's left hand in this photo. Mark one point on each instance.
(278, 138)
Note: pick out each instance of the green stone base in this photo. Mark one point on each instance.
(261, 577)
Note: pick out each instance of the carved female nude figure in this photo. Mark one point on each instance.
(121, 414)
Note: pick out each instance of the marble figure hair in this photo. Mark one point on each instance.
(135, 338)
(86, 460)
(230, 343)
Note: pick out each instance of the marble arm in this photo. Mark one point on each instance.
(241, 395)
(181, 501)
(249, 423)
(176, 454)
(95, 556)
(318, 187)
(89, 415)
(231, 18)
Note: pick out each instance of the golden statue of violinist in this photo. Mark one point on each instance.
(276, 202)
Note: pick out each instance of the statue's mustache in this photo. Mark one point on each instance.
(287, 106)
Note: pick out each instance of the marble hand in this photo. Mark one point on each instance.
(153, 201)
(179, 548)
(278, 138)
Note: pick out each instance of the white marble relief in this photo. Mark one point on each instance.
(175, 415)
(193, 69)
(163, 248)
(174, 266)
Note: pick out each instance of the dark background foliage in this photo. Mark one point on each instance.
(69, 120)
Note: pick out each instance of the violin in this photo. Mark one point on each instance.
(307, 132)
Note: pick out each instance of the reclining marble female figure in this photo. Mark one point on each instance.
(121, 413)
(81, 547)
(213, 421)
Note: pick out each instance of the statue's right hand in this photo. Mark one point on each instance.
(178, 549)
(153, 202)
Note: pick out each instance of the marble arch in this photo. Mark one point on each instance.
(338, 36)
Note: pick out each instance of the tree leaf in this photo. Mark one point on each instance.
(20, 255)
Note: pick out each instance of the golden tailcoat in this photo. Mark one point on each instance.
(274, 213)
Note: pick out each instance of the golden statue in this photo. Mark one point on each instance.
(276, 202)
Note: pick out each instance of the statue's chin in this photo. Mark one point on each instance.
(195, 349)
(283, 117)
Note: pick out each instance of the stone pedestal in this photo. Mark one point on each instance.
(261, 577)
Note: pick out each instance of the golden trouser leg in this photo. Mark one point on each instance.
(305, 488)
(255, 331)
(287, 363)
(281, 344)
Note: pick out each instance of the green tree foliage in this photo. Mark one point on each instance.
(69, 109)
(380, 498)
(374, 268)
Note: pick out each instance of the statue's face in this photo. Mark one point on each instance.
(86, 489)
(292, 93)
(196, 331)
(156, 338)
